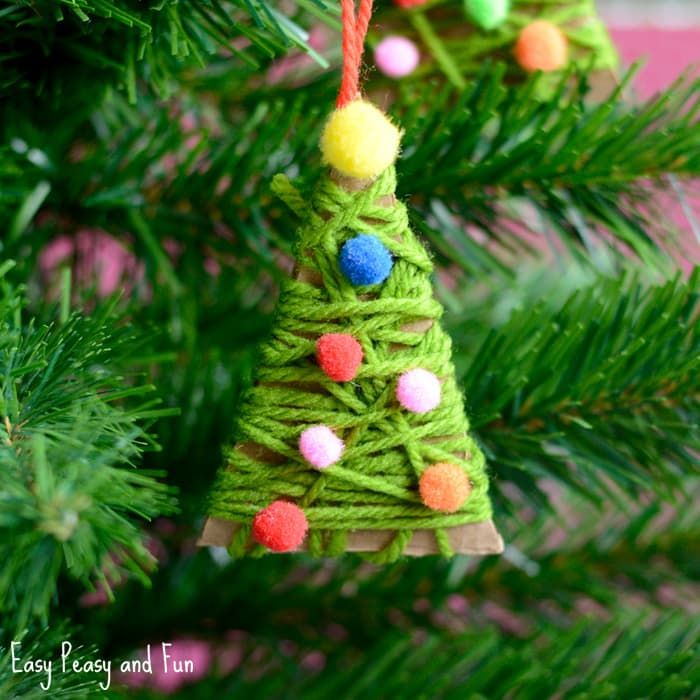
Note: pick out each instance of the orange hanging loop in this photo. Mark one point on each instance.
(354, 31)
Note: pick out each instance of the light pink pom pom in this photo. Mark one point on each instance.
(320, 446)
(418, 390)
(396, 56)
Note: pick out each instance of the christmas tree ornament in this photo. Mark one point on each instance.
(354, 436)
(545, 36)
(487, 14)
(396, 56)
(541, 46)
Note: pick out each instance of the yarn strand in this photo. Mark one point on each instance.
(354, 31)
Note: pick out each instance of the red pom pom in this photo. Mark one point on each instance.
(339, 356)
(405, 4)
(280, 527)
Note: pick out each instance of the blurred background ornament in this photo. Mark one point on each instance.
(487, 14)
(396, 56)
(98, 261)
(541, 46)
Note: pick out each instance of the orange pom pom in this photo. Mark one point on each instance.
(541, 46)
(444, 487)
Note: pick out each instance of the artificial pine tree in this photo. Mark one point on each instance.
(138, 144)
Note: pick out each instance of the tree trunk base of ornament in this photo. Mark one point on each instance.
(472, 538)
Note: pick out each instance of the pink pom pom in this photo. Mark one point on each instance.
(320, 446)
(418, 390)
(396, 56)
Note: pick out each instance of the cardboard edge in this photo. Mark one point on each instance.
(473, 538)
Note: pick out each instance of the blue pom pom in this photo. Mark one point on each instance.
(365, 260)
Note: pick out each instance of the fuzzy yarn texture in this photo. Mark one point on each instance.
(418, 390)
(487, 14)
(359, 140)
(365, 260)
(375, 484)
(281, 526)
(541, 46)
(444, 487)
(320, 446)
(339, 355)
(396, 56)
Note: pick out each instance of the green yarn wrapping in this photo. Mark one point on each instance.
(375, 484)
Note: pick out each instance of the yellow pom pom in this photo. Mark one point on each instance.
(359, 140)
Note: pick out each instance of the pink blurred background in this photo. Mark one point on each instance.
(667, 52)
(666, 35)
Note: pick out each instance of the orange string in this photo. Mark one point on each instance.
(354, 32)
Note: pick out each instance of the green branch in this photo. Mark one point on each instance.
(492, 160)
(593, 387)
(71, 429)
(55, 51)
